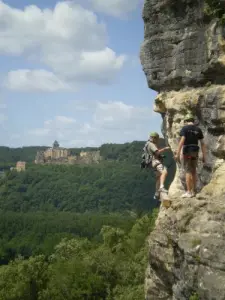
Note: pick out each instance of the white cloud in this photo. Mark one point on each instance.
(109, 122)
(118, 115)
(60, 28)
(60, 126)
(116, 8)
(65, 120)
(86, 128)
(68, 39)
(88, 66)
(39, 132)
(34, 80)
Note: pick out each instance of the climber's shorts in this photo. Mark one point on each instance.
(158, 168)
(190, 161)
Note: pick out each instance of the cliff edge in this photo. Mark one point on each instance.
(183, 57)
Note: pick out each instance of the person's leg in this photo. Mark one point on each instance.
(194, 181)
(194, 164)
(189, 181)
(188, 178)
(163, 178)
(157, 181)
(163, 174)
(194, 177)
(156, 196)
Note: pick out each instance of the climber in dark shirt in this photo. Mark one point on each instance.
(190, 136)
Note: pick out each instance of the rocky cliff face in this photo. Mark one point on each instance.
(183, 57)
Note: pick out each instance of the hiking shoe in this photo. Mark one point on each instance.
(163, 190)
(156, 196)
(187, 195)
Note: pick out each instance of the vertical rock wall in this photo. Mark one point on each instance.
(183, 58)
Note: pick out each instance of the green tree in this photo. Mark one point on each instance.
(23, 279)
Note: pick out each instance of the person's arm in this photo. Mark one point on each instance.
(203, 147)
(163, 150)
(180, 145)
(152, 148)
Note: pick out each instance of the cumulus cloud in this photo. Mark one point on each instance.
(118, 115)
(68, 39)
(109, 122)
(88, 66)
(65, 120)
(116, 8)
(34, 80)
(60, 126)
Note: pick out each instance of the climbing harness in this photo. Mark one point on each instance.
(189, 156)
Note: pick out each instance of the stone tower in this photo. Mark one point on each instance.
(55, 145)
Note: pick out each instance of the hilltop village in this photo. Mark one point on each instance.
(60, 155)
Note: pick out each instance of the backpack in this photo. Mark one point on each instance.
(146, 158)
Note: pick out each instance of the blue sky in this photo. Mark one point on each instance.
(70, 71)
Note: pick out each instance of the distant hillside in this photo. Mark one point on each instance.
(107, 187)
(129, 152)
(116, 184)
(9, 156)
(45, 203)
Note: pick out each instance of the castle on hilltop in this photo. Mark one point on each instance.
(59, 155)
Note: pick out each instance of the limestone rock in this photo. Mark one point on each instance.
(208, 105)
(183, 57)
(187, 251)
(181, 46)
